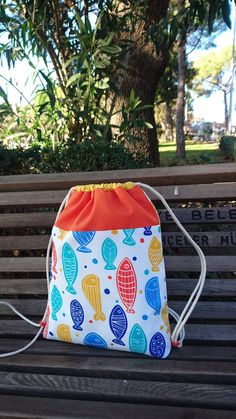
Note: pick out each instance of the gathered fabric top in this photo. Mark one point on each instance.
(104, 186)
(107, 207)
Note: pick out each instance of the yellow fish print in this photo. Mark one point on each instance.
(63, 332)
(62, 234)
(91, 289)
(165, 318)
(155, 253)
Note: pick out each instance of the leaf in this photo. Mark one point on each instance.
(50, 87)
(4, 95)
(80, 22)
(73, 79)
(102, 84)
(225, 7)
(148, 125)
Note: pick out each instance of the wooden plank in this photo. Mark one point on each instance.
(192, 263)
(47, 408)
(185, 215)
(23, 286)
(217, 215)
(153, 176)
(201, 192)
(188, 193)
(119, 390)
(203, 239)
(17, 264)
(176, 287)
(206, 333)
(172, 263)
(211, 351)
(204, 310)
(31, 199)
(169, 240)
(150, 369)
(22, 220)
(212, 288)
(24, 242)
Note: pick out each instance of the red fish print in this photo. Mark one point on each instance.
(45, 330)
(54, 259)
(126, 282)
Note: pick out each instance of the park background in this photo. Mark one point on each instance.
(115, 84)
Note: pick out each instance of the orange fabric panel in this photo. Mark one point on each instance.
(107, 210)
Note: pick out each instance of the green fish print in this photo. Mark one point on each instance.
(57, 302)
(109, 253)
(128, 237)
(70, 267)
(137, 340)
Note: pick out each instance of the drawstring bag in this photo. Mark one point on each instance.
(106, 273)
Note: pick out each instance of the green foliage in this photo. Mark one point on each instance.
(212, 72)
(17, 161)
(69, 157)
(195, 14)
(85, 46)
(197, 153)
(228, 146)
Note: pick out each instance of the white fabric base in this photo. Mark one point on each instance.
(98, 306)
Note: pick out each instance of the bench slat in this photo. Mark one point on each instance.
(194, 333)
(119, 390)
(24, 220)
(185, 215)
(24, 242)
(176, 287)
(51, 408)
(216, 215)
(189, 352)
(203, 310)
(151, 369)
(186, 193)
(193, 174)
(172, 263)
(204, 239)
(170, 239)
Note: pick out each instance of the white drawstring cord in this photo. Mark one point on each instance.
(194, 297)
(176, 317)
(5, 303)
(41, 325)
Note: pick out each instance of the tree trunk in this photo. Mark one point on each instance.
(226, 112)
(169, 129)
(180, 107)
(144, 68)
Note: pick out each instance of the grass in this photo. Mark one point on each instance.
(196, 153)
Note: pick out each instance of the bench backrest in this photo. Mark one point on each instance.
(203, 198)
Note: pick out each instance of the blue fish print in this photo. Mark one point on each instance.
(70, 266)
(152, 294)
(109, 253)
(128, 237)
(93, 339)
(56, 300)
(157, 345)
(147, 231)
(118, 324)
(137, 340)
(84, 238)
(77, 314)
(50, 271)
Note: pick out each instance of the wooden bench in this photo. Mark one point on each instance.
(55, 379)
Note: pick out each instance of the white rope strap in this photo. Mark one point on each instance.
(41, 324)
(178, 332)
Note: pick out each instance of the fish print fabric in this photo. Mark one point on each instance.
(108, 290)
